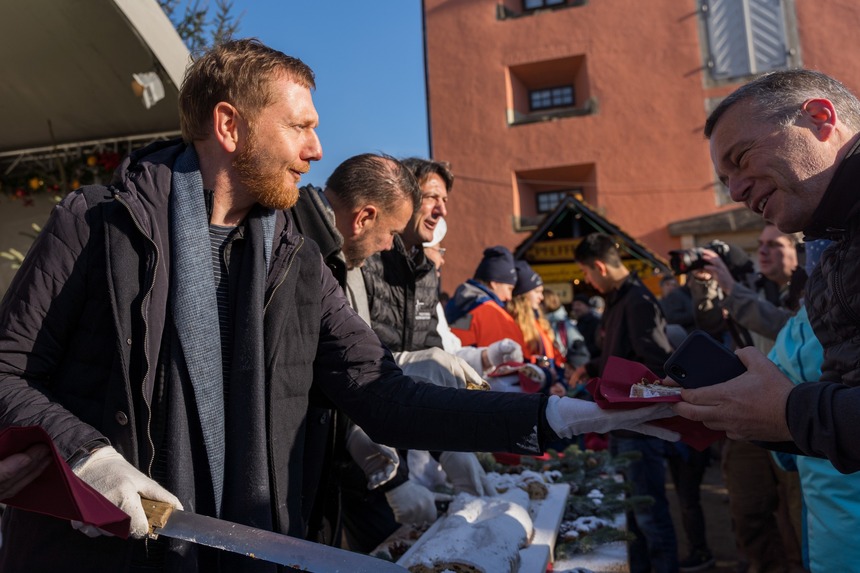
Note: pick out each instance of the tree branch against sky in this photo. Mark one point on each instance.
(196, 27)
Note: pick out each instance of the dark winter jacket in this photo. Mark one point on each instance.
(823, 417)
(314, 220)
(80, 336)
(633, 328)
(403, 291)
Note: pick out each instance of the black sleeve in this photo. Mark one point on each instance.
(647, 329)
(359, 374)
(823, 418)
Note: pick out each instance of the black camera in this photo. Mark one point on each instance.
(686, 260)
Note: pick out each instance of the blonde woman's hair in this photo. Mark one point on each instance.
(524, 315)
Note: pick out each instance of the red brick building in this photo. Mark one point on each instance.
(605, 99)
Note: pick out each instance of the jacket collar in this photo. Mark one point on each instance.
(841, 200)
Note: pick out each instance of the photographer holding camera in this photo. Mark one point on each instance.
(731, 300)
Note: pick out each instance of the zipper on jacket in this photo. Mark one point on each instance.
(276, 515)
(286, 272)
(146, 298)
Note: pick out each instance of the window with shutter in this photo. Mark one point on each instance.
(747, 37)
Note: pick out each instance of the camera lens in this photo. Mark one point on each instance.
(677, 371)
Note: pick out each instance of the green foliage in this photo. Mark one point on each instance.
(587, 543)
(197, 29)
(589, 472)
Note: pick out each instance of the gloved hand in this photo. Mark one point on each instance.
(412, 503)
(441, 368)
(106, 471)
(504, 350)
(378, 462)
(465, 473)
(571, 416)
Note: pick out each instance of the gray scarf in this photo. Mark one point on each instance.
(195, 309)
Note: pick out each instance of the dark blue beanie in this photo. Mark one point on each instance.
(527, 278)
(497, 266)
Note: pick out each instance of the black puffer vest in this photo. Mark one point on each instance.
(403, 294)
(833, 290)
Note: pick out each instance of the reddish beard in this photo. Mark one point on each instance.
(270, 186)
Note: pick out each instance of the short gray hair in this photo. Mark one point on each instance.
(778, 97)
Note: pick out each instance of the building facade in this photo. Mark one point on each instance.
(531, 100)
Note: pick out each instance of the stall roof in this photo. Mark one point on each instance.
(573, 219)
(67, 71)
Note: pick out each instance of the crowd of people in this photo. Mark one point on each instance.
(207, 332)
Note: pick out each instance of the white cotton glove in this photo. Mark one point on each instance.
(412, 503)
(441, 368)
(465, 473)
(571, 416)
(504, 350)
(106, 471)
(378, 462)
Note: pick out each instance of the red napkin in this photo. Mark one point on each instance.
(58, 492)
(612, 391)
(525, 374)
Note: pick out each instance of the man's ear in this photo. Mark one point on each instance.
(226, 127)
(600, 267)
(822, 114)
(364, 219)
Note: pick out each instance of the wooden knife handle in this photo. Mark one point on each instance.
(157, 514)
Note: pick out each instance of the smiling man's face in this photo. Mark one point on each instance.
(780, 173)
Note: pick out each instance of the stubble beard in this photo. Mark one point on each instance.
(354, 254)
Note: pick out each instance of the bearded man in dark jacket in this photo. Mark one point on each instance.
(109, 336)
(787, 145)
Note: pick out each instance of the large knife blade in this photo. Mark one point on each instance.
(258, 543)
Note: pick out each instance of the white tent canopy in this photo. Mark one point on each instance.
(68, 67)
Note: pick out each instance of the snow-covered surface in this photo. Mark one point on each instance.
(545, 514)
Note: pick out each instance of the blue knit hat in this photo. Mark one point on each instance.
(497, 266)
(527, 278)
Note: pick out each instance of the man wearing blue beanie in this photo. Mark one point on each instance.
(477, 312)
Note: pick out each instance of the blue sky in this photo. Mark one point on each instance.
(369, 64)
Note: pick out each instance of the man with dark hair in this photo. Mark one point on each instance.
(786, 145)
(402, 285)
(367, 201)
(633, 328)
(166, 330)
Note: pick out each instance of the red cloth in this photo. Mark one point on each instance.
(612, 391)
(58, 492)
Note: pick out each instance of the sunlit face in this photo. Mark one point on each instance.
(535, 297)
(377, 235)
(777, 257)
(780, 173)
(503, 291)
(279, 146)
(434, 198)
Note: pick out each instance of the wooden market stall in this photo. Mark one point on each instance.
(550, 249)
